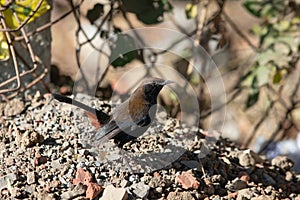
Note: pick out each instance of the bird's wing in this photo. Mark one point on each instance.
(122, 127)
(112, 131)
(107, 132)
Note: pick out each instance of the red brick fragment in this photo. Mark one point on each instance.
(93, 190)
(187, 180)
(83, 177)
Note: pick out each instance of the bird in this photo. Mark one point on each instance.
(131, 118)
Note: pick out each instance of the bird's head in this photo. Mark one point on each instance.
(152, 87)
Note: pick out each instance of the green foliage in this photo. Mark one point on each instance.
(277, 77)
(123, 50)
(23, 9)
(254, 93)
(94, 13)
(148, 11)
(191, 10)
(262, 8)
(4, 51)
(278, 45)
(122, 46)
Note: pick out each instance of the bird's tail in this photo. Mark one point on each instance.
(101, 116)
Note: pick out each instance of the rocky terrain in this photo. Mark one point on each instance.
(47, 151)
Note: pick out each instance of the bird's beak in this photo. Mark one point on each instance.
(167, 82)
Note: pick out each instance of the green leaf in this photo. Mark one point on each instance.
(263, 74)
(23, 9)
(191, 10)
(292, 42)
(261, 8)
(152, 16)
(282, 48)
(277, 77)
(277, 57)
(148, 11)
(267, 11)
(254, 93)
(254, 7)
(247, 79)
(123, 50)
(296, 20)
(4, 51)
(259, 30)
(254, 83)
(252, 98)
(136, 6)
(283, 25)
(95, 13)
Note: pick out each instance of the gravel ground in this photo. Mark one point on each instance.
(47, 151)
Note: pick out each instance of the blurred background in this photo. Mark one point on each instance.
(253, 46)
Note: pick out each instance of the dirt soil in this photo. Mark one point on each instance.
(47, 151)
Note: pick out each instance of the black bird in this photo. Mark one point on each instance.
(131, 118)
